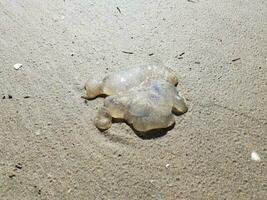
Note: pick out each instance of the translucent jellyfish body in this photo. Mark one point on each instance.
(148, 106)
(126, 79)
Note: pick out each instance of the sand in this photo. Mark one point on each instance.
(49, 147)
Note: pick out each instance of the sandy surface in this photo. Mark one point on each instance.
(49, 147)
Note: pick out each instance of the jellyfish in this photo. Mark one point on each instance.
(124, 80)
(150, 105)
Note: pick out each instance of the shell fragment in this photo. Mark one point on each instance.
(17, 66)
(255, 156)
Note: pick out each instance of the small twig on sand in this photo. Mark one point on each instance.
(118, 9)
(236, 59)
(182, 54)
(191, 1)
(128, 52)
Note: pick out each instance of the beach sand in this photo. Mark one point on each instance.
(49, 146)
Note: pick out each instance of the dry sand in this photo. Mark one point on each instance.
(49, 147)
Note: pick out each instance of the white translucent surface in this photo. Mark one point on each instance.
(124, 80)
(148, 106)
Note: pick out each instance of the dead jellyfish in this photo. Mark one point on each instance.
(143, 96)
(149, 106)
(124, 80)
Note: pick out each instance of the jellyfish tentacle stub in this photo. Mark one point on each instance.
(93, 88)
(103, 119)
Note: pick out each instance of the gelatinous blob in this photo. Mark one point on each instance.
(147, 106)
(124, 80)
